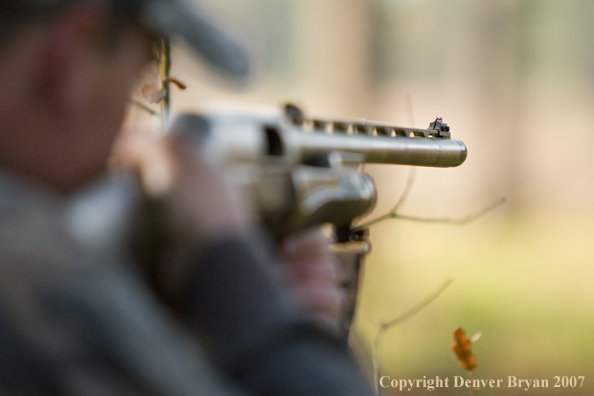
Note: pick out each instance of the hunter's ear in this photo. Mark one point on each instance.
(67, 71)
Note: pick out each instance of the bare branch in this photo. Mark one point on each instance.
(143, 107)
(375, 360)
(385, 326)
(414, 310)
(164, 70)
(407, 189)
(442, 220)
(455, 220)
(473, 390)
(393, 214)
(370, 319)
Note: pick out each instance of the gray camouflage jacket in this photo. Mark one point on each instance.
(78, 318)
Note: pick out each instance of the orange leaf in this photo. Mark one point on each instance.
(175, 82)
(461, 348)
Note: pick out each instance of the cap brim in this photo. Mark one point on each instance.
(216, 45)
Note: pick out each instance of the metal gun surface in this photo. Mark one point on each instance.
(302, 172)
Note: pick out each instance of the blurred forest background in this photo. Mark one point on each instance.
(515, 81)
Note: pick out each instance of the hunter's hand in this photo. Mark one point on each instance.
(197, 206)
(312, 274)
(193, 204)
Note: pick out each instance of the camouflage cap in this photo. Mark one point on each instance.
(167, 18)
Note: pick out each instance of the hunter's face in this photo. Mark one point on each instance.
(66, 94)
(96, 121)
